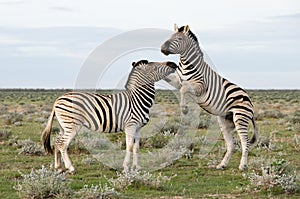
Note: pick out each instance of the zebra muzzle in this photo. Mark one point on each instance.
(165, 48)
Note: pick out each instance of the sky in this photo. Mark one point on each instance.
(53, 44)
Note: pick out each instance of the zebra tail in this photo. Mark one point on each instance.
(255, 134)
(47, 133)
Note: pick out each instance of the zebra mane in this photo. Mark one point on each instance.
(193, 36)
(134, 72)
(134, 64)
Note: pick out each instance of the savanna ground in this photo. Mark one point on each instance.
(274, 161)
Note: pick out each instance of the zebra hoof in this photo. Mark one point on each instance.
(220, 167)
(184, 109)
(243, 167)
(72, 172)
(136, 167)
(126, 169)
(60, 170)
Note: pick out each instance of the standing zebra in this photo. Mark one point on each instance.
(125, 111)
(214, 93)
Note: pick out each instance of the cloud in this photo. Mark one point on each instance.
(11, 2)
(288, 17)
(275, 37)
(268, 29)
(267, 80)
(62, 9)
(252, 54)
(56, 41)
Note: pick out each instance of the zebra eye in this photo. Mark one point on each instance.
(179, 38)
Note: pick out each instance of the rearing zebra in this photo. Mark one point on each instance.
(125, 111)
(214, 93)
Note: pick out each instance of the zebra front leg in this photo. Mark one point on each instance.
(136, 147)
(183, 106)
(193, 89)
(129, 149)
(227, 127)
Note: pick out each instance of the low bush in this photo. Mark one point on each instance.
(138, 179)
(4, 134)
(43, 183)
(13, 118)
(28, 147)
(158, 140)
(101, 191)
(267, 142)
(205, 121)
(295, 118)
(172, 125)
(269, 114)
(275, 178)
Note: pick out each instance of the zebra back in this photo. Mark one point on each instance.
(111, 113)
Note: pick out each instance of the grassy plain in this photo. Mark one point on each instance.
(23, 114)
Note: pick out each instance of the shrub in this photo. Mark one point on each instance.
(94, 140)
(269, 114)
(3, 109)
(43, 183)
(267, 142)
(13, 118)
(158, 140)
(172, 125)
(205, 121)
(295, 118)
(89, 161)
(296, 141)
(139, 178)
(28, 147)
(97, 192)
(77, 146)
(4, 134)
(275, 176)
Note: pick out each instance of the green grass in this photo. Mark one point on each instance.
(195, 178)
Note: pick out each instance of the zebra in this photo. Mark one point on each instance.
(212, 92)
(124, 111)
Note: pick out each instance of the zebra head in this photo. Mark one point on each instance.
(154, 71)
(147, 73)
(180, 41)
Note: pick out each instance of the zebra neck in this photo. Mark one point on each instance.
(145, 94)
(192, 56)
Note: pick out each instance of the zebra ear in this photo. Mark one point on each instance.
(186, 29)
(175, 27)
(133, 64)
(171, 64)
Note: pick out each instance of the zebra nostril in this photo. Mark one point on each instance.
(165, 48)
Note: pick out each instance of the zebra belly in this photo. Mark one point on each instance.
(216, 107)
(211, 110)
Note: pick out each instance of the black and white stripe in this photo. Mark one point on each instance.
(213, 93)
(125, 111)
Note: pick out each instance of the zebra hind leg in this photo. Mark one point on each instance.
(62, 144)
(58, 163)
(242, 127)
(57, 154)
(227, 127)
